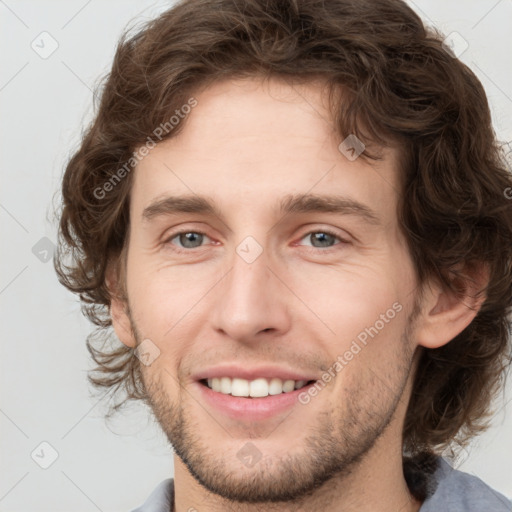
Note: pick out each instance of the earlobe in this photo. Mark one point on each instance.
(446, 313)
(121, 323)
(119, 312)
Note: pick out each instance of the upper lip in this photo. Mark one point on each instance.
(266, 372)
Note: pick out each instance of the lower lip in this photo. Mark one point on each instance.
(251, 409)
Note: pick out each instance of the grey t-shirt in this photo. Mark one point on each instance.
(455, 491)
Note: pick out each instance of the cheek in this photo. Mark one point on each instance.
(367, 314)
(165, 300)
(154, 287)
(350, 299)
(335, 303)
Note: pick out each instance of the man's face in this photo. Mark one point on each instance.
(256, 293)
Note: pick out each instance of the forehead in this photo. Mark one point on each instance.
(251, 141)
(246, 115)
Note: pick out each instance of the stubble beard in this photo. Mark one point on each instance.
(333, 447)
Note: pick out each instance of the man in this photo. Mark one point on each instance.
(294, 216)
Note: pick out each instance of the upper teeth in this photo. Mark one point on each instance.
(253, 388)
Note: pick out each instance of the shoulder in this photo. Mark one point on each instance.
(457, 491)
(161, 499)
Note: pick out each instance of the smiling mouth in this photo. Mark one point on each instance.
(257, 388)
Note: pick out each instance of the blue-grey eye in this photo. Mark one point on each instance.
(189, 240)
(321, 238)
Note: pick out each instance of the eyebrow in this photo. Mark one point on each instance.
(293, 203)
(170, 205)
(311, 203)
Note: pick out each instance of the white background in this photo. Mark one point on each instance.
(45, 103)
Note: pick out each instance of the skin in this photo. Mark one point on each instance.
(299, 305)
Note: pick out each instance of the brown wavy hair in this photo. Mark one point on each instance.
(390, 81)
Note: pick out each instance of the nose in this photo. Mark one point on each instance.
(251, 300)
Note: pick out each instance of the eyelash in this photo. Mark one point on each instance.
(335, 247)
(342, 241)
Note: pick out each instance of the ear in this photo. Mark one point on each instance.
(446, 313)
(119, 308)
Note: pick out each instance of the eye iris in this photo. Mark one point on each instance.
(189, 240)
(186, 238)
(323, 238)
